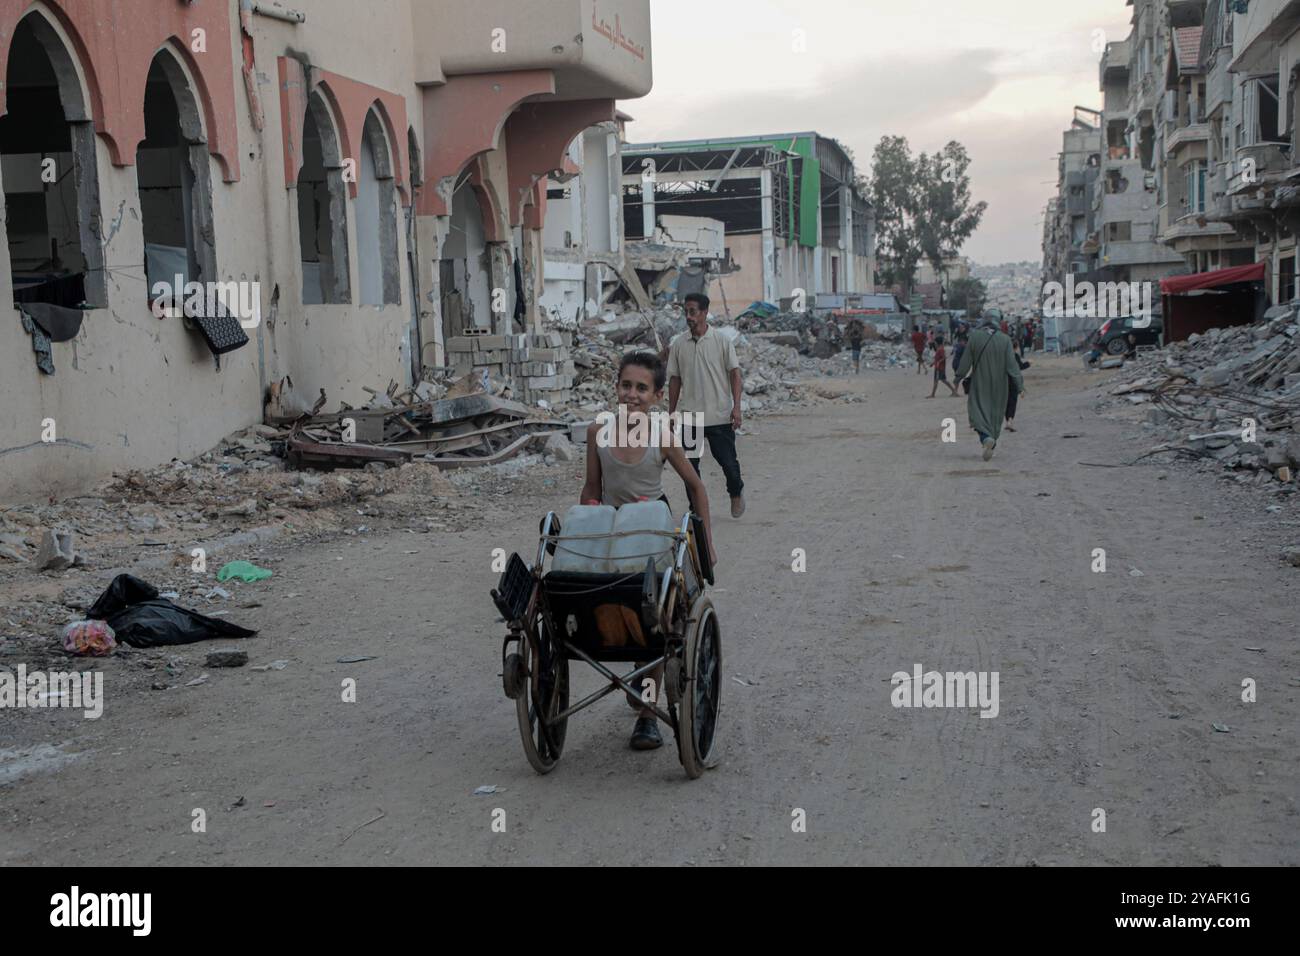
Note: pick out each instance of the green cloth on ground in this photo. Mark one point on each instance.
(244, 570)
(994, 370)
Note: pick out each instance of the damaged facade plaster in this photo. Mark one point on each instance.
(155, 379)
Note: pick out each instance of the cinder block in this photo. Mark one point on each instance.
(546, 355)
(460, 343)
(485, 342)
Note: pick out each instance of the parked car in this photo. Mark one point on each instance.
(1112, 337)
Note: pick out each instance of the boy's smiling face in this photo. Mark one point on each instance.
(636, 389)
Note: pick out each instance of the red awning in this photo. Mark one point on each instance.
(1176, 285)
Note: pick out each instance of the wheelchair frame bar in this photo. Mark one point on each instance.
(616, 683)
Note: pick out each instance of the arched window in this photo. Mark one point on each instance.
(322, 210)
(51, 189)
(173, 179)
(378, 268)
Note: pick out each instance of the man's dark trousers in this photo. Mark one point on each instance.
(722, 445)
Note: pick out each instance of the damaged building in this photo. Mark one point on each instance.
(373, 194)
(789, 209)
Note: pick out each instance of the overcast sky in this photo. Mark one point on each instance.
(1000, 76)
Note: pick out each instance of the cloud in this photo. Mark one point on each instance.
(1000, 76)
(856, 105)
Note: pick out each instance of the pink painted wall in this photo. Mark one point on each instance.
(115, 64)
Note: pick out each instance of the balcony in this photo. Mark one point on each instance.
(597, 49)
(1183, 135)
(1114, 61)
(1257, 163)
(1268, 24)
(1193, 226)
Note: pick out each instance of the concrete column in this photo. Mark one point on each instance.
(817, 259)
(846, 242)
(428, 240)
(647, 204)
(769, 238)
(614, 196)
(502, 276)
(533, 270)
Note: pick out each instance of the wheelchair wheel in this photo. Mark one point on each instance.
(546, 692)
(701, 697)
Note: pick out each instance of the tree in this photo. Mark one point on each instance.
(895, 198)
(923, 208)
(946, 218)
(968, 294)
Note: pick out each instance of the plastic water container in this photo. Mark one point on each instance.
(589, 555)
(628, 554)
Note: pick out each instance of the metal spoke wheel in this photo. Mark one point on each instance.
(546, 692)
(702, 694)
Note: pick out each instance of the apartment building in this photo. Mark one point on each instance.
(1069, 221)
(377, 174)
(1183, 172)
(1252, 52)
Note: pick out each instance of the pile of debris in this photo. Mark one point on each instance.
(453, 432)
(1230, 397)
(777, 352)
(535, 368)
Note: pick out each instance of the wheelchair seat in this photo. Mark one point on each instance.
(595, 585)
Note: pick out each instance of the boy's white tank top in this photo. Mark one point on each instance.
(623, 483)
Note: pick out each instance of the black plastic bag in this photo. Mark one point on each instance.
(139, 617)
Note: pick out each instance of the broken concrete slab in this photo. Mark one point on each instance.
(56, 551)
(560, 448)
(226, 657)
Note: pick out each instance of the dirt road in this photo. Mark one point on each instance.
(917, 553)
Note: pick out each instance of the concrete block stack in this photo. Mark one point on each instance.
(537, 364)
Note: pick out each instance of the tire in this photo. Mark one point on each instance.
(1116, 346)
(697, 715)
(549, 693)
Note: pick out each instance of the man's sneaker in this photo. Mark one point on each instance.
(989, 444)
(737, 506)
(645, 736)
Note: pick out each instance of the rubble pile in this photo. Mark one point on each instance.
(1229, 398)
(537, 366)
(239, 485)
(458, 431)
(777, 352)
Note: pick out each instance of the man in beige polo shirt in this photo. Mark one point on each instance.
(704, 377)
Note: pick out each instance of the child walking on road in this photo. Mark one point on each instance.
(940, 365)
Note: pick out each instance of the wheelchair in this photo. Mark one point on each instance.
(623, 585)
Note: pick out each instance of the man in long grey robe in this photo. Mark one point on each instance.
(990, 360)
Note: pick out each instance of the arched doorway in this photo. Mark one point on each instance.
(173, 180)
(465, 269)
(322, 210)
(51, 187)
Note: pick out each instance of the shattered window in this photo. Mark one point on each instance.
(51, 194)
